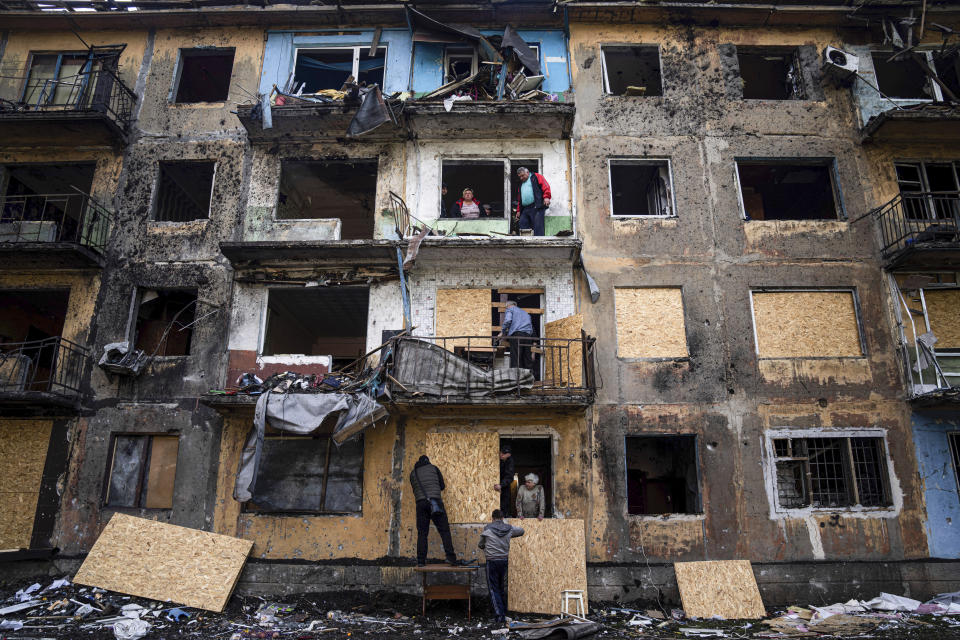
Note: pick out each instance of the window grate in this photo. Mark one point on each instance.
(828, 478)
(868, 462)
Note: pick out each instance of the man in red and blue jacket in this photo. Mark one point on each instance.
(533, 198)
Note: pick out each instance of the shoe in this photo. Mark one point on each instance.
(421, 563)
(455, 562)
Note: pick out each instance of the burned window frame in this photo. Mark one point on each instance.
(158, 185)
(929, 207)
(250, 507)
(936, 94)
(633, 160)
(829, 162)
(851, 477)
(199, 52)
(137, 300)
(604, 47)
(698, 510)
(800, 89)
(507, 176)
(356, 48)
(143, 471)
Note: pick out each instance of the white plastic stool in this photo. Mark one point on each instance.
(572, 595)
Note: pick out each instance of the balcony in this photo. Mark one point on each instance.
(93, 108)
(934, 122)
(476, 370)
(921, 231)
(41, 377)
(64, 230)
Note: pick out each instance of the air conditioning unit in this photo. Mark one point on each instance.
(839, 65)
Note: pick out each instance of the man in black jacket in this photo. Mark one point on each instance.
(428, 484)
(506, 479)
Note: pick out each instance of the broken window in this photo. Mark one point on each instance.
(930, 190)
(204, 75)
(56, 78)
(344, 189)
(142, 471)
(318, 69)
(493, 181)
(184, 190)
(459, 62)
(632, 70)
(770, 74)
(31, 324)
(930, 303)
(641, 188)
(902, 77)
(164, 321)
(317, 322)
(43, 202)
(788, 189)
(662, 475)
(309, 475)
(831, 472)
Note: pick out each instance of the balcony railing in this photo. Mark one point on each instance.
(95, 91)
(922, 218)
(53, 365)
(74, 218)
(478, 367)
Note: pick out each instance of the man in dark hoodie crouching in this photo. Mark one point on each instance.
(495, 542)
(428, 484)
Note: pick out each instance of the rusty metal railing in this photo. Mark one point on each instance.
(914, 218)
(61, 217)
(53, 365)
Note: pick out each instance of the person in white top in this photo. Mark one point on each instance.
(466, 207)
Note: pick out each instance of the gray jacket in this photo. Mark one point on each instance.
(495, 539)
(427, 482)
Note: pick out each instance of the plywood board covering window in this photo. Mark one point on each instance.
(143, 469)
(470, 466)
(650, 323)
(806, 324)
(23, 453)
(463, 312)
(943, 312)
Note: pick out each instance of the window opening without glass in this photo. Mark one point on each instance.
(930, 303)
(459, 62)
(59, 78)
(344, 189)
(788, 189)
(662, 475)
(770, 74)
(330, 68)
(831, 472)
(300, 474)
(31, 322)
(494, 182)
(632, 70)
(204, 75)
(142, 471)
(931, 190)
(641, 188)
(163, 321)
(184, 190)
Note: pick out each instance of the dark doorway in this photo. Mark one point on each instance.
(532, 454)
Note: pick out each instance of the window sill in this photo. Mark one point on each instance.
(303, 514)
(841, 511)
(676, 359)
(667, 517)
(644, 217)
(197, 105)
(804, 358)
(183, 226)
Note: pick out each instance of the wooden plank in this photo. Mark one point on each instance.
(650, 323)
(522, 291)
(165, 562)
(470, 464)
(530, 310)
(551, 556)
(797, 324)
(463, 312)
(163, 470)
(725, 588)
(563, 360)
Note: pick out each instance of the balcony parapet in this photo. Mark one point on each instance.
(920, 231)
(42, 377)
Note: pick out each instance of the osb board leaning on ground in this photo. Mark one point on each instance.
(551, 556)
(724, 588)
(470, 465)
(165, 562)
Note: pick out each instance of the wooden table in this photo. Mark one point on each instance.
(446, 591)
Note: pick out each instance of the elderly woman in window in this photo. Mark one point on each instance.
(530, 500)
(467, 207)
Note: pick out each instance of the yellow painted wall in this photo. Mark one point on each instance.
(106, 176)
(23, 453)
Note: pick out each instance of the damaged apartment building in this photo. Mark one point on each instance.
(240, 293)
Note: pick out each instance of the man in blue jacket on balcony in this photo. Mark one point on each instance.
(518, 329)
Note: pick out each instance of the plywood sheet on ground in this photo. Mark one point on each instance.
(943, 310)
(650, 323)
(470, 465)
(724, 588)
(804, 324)
(563, 360)
(463, 312)
(551, 556)
(165, 562)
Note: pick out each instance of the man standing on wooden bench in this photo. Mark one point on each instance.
(495, 542)
(428, 484)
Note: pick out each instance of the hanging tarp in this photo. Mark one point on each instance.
(526, 55)
(372, 113)
(430, 369)
(341, 415)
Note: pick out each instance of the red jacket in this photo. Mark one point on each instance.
(541, 190)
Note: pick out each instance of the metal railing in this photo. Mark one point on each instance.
(98, 91)
(63, 217)
(53, 365)
(915, 218)
(482, 366)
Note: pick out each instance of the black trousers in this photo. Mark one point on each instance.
(496, 581)
(520, 343)
(423, 531)
(505, 500)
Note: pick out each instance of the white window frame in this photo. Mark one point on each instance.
(829, 162)
(856, 310)
(474, 62)
(355, 72)
(642, 161)
(603, 65)
(937, 92)
(926, 323)
(506, 176)
(770, 470)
